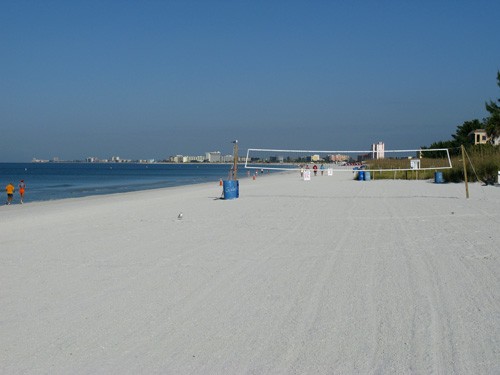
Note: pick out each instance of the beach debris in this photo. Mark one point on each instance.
(180, 216)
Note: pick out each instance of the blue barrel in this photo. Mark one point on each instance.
(438, 177)
(361, 175)
(231, 189)
(367, 176)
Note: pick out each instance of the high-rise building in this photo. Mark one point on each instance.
(213, 157)
(378, 150)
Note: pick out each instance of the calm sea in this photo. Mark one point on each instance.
(48, 181)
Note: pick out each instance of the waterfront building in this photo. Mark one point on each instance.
(193, 159)
(213, 157)
(378, 150)
(227, 159)
(338, 157)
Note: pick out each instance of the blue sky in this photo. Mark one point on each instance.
(150, 79)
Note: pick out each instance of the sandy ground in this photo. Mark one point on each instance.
(328, 276)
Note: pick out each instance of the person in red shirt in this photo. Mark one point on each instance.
(315, 167)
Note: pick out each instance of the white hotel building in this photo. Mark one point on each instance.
(378, 150)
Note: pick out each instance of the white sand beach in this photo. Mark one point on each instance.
(328, 276)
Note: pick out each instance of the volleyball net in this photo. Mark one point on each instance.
(381, 160)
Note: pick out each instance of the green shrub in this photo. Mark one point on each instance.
(481, 160)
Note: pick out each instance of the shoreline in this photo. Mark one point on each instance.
(29, 203)
(60, 181)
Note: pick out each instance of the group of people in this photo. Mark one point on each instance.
(11, 190)
(315, 169)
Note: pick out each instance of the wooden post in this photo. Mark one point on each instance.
(236, 161)
(465, 173)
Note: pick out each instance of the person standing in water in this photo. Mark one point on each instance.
(22, 186)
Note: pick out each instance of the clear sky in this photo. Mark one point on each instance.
(150, 79)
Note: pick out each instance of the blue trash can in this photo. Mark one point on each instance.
(438, 177)
(367, 176)
(361, 175)
(231, 189)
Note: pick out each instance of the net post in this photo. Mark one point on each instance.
(465, 173)
(246, 160)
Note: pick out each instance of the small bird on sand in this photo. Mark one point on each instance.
(180, 216)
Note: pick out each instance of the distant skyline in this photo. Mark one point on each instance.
(147, 80)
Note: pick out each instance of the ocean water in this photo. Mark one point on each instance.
(49, 181)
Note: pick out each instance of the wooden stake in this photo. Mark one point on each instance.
(465, 173)
(236, 161)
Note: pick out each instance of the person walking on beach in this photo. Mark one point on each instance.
(315, 168)
(22, 186)
(322, 169)
(10, 192)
